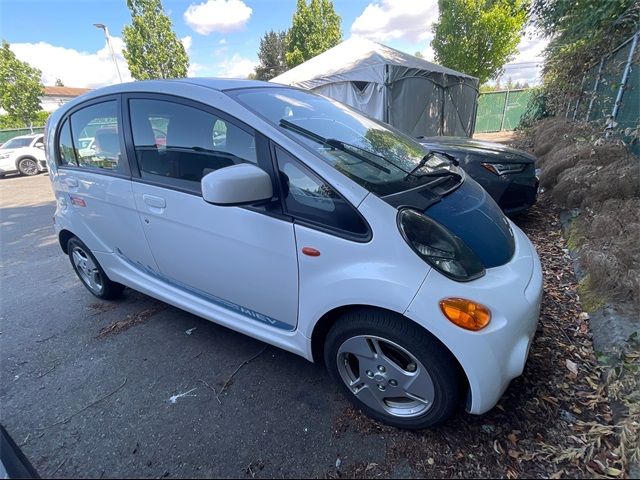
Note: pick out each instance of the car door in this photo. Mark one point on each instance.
(240, 258)
(94, 185)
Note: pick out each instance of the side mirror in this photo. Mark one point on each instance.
(242, 184)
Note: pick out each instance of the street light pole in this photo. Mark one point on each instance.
(106, 36)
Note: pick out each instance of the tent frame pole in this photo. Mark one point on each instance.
(385, 93)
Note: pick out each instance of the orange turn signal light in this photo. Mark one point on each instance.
(465, 313)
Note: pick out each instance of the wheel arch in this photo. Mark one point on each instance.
(22, 157)
(330, 318)
(63, 237)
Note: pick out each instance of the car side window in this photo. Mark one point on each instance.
(96, 137)
(66, 154)
(307, 197)
(177, 144)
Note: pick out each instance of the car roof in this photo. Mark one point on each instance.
(27, 136)
(218, 84)
(223, 84)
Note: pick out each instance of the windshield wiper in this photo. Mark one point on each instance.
(336, 144)
(436, 173)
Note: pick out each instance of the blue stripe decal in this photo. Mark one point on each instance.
(220, 302)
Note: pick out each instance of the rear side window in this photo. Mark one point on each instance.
(65, 146)
(96, 137)
(309, 198)
(177, 144)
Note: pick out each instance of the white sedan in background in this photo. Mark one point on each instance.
(24, 154)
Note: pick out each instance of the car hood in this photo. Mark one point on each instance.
(7, 150)
(502, 152)
(474, 216)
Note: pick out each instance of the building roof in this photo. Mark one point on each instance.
(65, 91)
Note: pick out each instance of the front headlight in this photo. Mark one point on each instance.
(504, 168)
(440, 248)
(4, 155)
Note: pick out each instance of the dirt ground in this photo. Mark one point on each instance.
(498, 137)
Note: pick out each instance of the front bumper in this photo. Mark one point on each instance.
(492, 357)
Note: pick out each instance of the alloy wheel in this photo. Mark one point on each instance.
(385, 376)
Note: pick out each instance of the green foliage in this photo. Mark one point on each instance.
(581, 32)
(152, 49)
(315, 28)
(39, 119)
(478, 37)
(537, 108)
(20, 88)
(273, 46)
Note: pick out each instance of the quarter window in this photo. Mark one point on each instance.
(308, 197)
(65, 147)
(177, 144)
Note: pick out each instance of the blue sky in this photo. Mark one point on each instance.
(221, 36)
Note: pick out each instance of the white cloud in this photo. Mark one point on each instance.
(195, 69)
(74, 68)
(236, 67)
(222, 41)
(186, 42)
(527, 64)
(384, 20)
(217, 16)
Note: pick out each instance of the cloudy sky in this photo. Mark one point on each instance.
(221, 36)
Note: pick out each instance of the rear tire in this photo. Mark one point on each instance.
(392, 369)
(90, 272)
(28, 166)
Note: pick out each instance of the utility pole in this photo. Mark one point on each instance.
(108, 38)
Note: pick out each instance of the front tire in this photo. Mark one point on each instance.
(90, 272)
(28, 166)
(392, 369)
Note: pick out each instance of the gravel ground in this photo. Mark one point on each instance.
(86, 386)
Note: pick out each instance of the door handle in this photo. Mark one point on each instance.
(153, 201)
(71, 182)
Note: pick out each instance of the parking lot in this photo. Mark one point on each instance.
(274, 413)
(138, 388)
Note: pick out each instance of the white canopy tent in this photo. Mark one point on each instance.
(415, 96)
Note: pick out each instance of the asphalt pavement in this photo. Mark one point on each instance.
(133, 388)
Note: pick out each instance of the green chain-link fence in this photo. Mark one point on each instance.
(501, 110)
(609, 94)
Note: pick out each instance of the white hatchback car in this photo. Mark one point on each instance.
(24, 154)
(298, 221)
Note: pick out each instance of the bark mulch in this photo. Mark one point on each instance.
(553, 421)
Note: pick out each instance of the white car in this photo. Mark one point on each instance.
(308, 226)
(24, 154)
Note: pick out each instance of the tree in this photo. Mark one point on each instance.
(478, 37)
(315, 28)
(20, 88)
(272, 51)
(580, 33)
(152, 49)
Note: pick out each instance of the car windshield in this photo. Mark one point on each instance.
(17, 143)
(376, 156)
